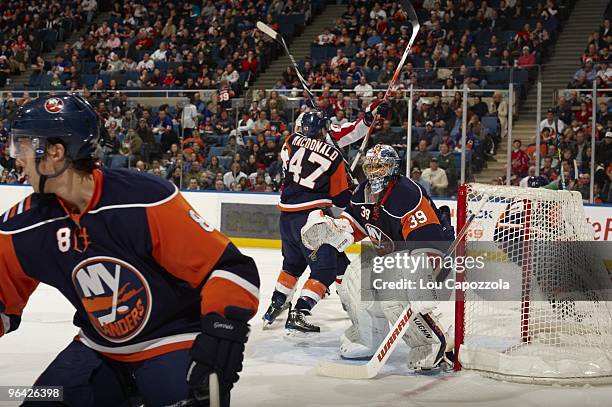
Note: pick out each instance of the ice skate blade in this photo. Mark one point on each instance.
(358, 358)
(294, 335)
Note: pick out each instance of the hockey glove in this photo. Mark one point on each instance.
(321, 229)
(380, 108)
(218, 349)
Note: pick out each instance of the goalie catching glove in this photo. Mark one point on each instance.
(321, 229)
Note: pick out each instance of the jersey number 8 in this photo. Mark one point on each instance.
(295, 167)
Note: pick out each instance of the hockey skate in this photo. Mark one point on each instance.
(298, 326)
(274, 310)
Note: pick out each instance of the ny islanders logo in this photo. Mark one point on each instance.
(115, 295)
(383, 243)
(54, 105)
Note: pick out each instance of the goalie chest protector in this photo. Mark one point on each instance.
(405, 217)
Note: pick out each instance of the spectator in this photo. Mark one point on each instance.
(161, 53)
(234, 175)
(416, 177)
(436, 177)
(232, 148)
(162, 128)
(261, 124)
(525, 180)
(527, 59)
(519, 159)
(555, 125)
(446, 161)
(364, 89)
(214, 165)
(422, 158)
(189, 117)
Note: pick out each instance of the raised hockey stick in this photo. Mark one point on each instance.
(266, 29)
(415, 30)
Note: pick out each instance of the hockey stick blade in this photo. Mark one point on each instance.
(374, 365)
(266, 29)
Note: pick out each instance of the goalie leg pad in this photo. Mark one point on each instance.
(428, 342)
(369, 326)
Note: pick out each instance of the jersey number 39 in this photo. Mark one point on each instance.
(295, 167)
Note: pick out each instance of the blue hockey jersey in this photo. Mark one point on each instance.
(315, 175)
(406, 214)
(139, 265)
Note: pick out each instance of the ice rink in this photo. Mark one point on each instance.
(281, 373)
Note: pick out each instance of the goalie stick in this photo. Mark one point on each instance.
(374, 365)
(405, 4)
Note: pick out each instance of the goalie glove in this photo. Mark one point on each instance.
(321, 229)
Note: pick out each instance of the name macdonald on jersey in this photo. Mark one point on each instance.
(315, 145)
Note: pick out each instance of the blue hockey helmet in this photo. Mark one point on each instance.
(381, 165)
(537, 182)
(312, 123)
(68, 119)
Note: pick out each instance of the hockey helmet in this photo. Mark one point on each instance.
(312, 123)
(537, 182)
(381, 165)
(66, 118)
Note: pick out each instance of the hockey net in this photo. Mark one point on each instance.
(558, 327)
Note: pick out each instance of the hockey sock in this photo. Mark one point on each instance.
(312, 292)
(285, 284)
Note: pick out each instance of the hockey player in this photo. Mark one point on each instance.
(162, 299)
(395, 213)
(317, 177)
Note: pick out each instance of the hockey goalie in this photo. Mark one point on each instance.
(397, 215)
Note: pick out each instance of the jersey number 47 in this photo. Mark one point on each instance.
(296, 168)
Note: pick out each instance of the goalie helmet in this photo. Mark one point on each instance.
(381, 165)
(312, 123)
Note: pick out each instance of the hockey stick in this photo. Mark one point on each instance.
(376, 363)
(266, 29)
(415, 30)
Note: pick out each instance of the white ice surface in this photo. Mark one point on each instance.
(279, 373)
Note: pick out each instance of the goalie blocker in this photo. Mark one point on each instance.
(394, 212)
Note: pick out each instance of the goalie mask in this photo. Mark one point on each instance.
(381, 165)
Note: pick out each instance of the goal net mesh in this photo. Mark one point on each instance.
(555, 323)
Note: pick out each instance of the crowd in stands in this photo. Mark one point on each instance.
(566, 132)
(171, 45)
(30, 28)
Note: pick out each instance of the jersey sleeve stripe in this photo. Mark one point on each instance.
(251, 288)
(220, 293)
